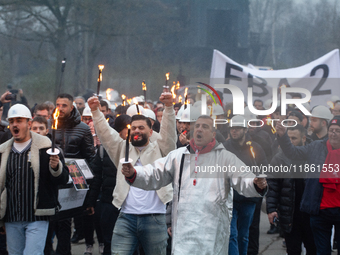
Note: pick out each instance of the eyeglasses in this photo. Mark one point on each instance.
(335, 131)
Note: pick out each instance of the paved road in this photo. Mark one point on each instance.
(269, 244)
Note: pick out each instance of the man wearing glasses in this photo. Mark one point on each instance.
(321, 197)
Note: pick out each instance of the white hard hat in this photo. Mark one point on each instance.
(217, 110)
(238, 121)
(322, 112)
(335, 98)
(190, 114)
(139, 99)
(87, 112)
(149, 113)
(180, 111)
(19, 111)
(132, 110)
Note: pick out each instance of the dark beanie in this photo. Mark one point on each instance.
(121, 122)
(334, 121)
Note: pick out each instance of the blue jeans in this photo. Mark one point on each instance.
(131, 229)
(322, 230)
(26, 238)
(239, 227)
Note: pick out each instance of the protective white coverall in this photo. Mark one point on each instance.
(200, 216)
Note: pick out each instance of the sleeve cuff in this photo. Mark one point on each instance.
(132, 178)
(56, 173)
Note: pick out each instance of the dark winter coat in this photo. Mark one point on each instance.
(75, 138)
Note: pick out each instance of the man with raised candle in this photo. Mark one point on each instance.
(200, 215)
(142, 216)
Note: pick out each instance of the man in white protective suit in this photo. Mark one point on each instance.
(201, 174)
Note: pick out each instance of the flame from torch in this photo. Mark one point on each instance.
(108, 94)
(251, 149)
(55, 119)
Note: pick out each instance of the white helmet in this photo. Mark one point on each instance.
(190, 114)
(180, 111)
(238, 121)
(322, 112)
(19, 111)
(87, 112)
(132, 110)
(335, 98)
(149, 113)
(217, 110)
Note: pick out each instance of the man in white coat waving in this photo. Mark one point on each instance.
(201, 174)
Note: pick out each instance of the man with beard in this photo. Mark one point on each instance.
(29, 180)
(319, 121)
(142, 216)
(75, 139)
(321, 197)
(200, 219)
(284, 198)
(246, 211)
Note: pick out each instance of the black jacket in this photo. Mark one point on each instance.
(104, 180)
(282, 196)
(75, 138)
(244, 154)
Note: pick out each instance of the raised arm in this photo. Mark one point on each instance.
(167, 142)
(109, 137)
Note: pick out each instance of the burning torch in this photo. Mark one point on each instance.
(53, 150)
(144, 91)
(166, 87)
(100, 78)
(127, 144)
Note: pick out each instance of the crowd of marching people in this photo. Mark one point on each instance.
(147, 196)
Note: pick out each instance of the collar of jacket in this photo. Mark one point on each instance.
(71, 121)
(191, 151)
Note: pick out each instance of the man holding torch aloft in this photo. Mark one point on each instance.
(145, 208)
(200, 218)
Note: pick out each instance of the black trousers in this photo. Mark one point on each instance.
(301, 233)
(91, 223)
(108, 220)
(254, 230)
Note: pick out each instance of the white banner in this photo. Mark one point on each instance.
(320, 77)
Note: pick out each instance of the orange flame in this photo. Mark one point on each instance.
(129, 100)
(108, 94)
(107, 120)
(116, 104)
(123, 97)
(228, 113)
(128, 126)
(178, 85)
(179, 99)
(330, 104)
(173, 91)
(144, 85)
(167, 76)
(185, 95)
(251, 149)
(101, 67)
(269, 120)
(117, 115)
(273, 130)
(55, 119)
